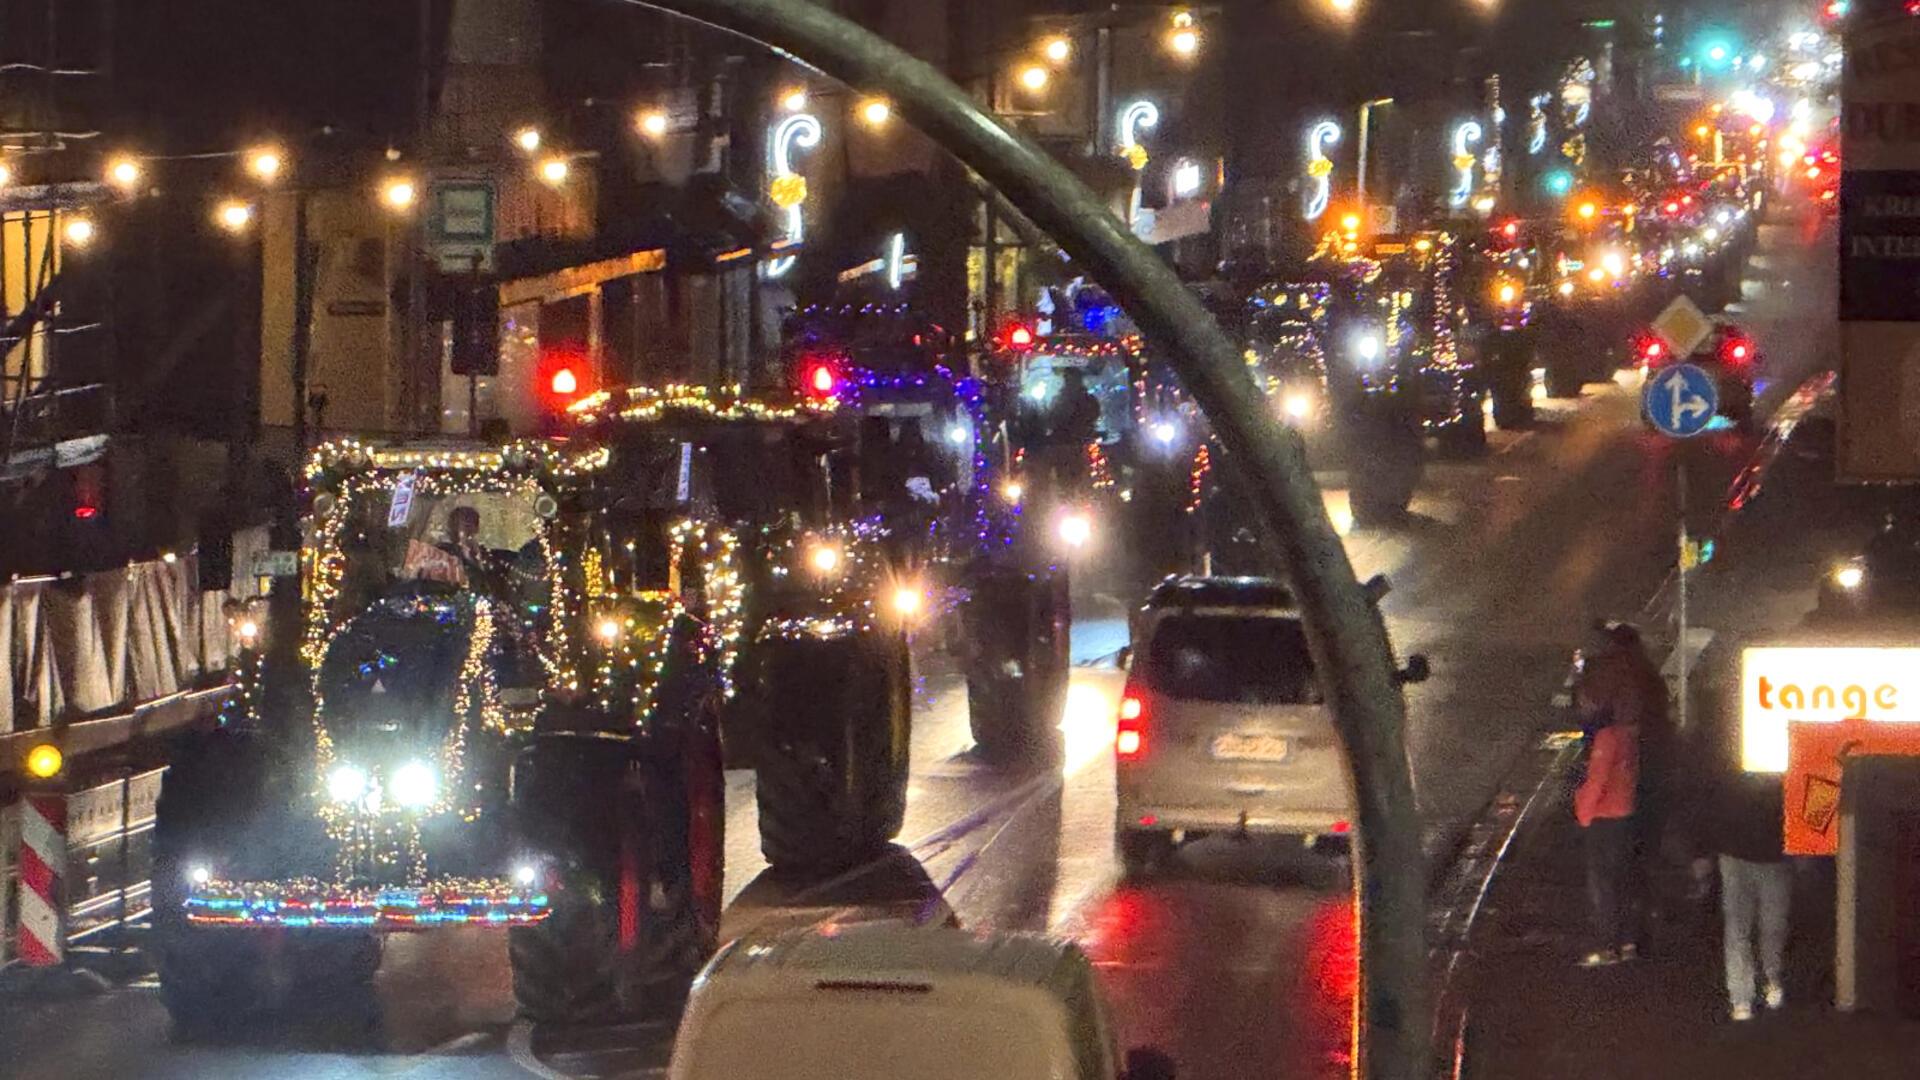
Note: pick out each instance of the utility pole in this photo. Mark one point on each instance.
(418, 376)
(302, 337)
(1360, 170)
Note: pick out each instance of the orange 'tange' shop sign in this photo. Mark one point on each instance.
(1818, 755)
(1782, 686)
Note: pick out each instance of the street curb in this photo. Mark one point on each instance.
(1453, 921)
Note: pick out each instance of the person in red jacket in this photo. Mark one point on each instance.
(1604, 806)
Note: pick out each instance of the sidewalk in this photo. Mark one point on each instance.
(1537, 1015)
(1534, 1014)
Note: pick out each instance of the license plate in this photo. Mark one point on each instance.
(1242, 747)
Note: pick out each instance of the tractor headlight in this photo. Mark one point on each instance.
(908, 600)
(347, 784)
(1850, 576)
(1075, 529)
(824, 558)
(414, 785)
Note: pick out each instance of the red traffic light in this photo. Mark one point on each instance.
(821, 381)
(1020, 337)
(1653, 350)
(1737, 350)
(1510, 230)
(564, 382)
(1673, 207)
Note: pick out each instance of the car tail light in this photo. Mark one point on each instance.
(1738, 351)
(1131, 736)
(1652, 351)
(1343, 826)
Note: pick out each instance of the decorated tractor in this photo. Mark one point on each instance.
(943, 477)
(501, 712)
(1400, 363)
(820, 703)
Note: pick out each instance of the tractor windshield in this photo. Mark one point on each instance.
(487, 543)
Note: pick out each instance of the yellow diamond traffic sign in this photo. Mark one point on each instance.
(1683, 326)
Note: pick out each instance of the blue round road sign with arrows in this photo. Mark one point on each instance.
(1681, 400)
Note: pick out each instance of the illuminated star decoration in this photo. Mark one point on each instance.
(801, 131)
(1319, 168)
(1469, 132)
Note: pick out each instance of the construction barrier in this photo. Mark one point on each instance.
(82, 863)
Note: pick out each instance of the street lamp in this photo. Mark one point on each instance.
(399, 194)
(554, 170)
(123, 173)
(794, 100)
(1034, 78)
(233, 216)
(78, 231)
(652, 123)
(527, 139)
(875, 112)
(1184, 39)
(265, 163)
(1343, 8)
(6, 174)
(1057, 49)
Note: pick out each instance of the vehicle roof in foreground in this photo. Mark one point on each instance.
(1244, 595)
(904, 953)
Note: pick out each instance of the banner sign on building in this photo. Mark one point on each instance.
(1880, 252)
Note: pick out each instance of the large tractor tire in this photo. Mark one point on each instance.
(1565, 377)
(1511, 382)
(831, 766)
(631, 854)
(1387, 458)
(1465, 438)
(1020, 632)
(210, 977)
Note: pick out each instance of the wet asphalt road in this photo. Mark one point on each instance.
(1239, 960)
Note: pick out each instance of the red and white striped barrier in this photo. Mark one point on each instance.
(43, 866)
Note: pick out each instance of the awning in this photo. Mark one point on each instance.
(578, 280)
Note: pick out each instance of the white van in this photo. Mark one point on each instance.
(893, 1001)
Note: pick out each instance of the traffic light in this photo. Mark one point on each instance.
(562, 378)
(821, 380)
(89, 493)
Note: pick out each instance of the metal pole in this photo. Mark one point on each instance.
(1103, 93)
(302, 338)
(415, 405)
(1345, 630)
(990, 242)
(1360, 171)
(1680, 604)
